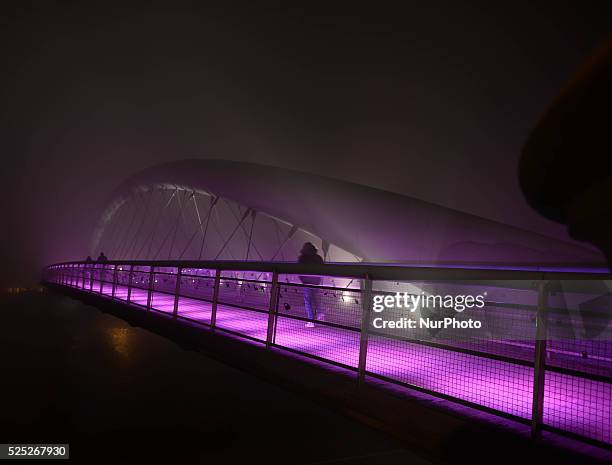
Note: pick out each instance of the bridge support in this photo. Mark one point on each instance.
(150, 291)
(177, 291)
(130, 279)
(366, 308)
(213, 311)
(539, 372)
(272, 310)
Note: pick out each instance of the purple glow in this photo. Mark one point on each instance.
(582, 406)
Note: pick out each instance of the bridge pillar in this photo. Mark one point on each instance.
(130, 278)
(539, 370)
(150, 290)
(177, 291)
(216, 287)
(366, 308)
(272, 310)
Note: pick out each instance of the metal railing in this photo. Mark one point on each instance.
(543, 359)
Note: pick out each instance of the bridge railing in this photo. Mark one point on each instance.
(543, 355)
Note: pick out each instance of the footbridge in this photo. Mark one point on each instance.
(543, 356)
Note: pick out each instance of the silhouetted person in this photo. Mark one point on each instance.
(88, 259)
(309, 254)
(102, 257)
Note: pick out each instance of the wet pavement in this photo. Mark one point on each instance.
(115, 392)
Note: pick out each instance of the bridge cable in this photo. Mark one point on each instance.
(246, 213)
(155, 226)
(178, 221)
(117, 240)
(199, 228)
(170, 229)
(125, 240)
(144, 218)
(213, 202)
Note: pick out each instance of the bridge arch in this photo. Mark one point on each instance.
(164, 221)
(279, 209)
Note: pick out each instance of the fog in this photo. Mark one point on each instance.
(430, 101)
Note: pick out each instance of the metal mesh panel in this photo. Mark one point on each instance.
(322, 341)
(244, 303)
(492, 368)
(196, 295)
(193, 309)
(337, 306)
(123, 280)
(245, 293)
(164, 288)
(589, 357)
(243, 322)
(491, 383)
(488, 367)
(332, 311)
(140, 285)
(140, 277)
(578, 405)
(198, 284)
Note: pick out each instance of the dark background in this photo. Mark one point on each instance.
(433, 100)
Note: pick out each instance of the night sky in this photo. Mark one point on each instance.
(433, 100)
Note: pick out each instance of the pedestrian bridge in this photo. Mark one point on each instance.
(543, 356)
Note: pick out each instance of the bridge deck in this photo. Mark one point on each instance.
(585, 409)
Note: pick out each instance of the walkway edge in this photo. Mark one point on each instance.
(437, 429)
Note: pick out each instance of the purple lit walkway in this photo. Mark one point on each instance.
(584, 408)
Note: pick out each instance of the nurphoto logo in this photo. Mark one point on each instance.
(411, 303)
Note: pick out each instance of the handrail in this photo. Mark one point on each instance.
(388, 272)
(354, 317)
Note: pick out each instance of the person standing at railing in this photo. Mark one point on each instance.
(309, 255)
(102, 258)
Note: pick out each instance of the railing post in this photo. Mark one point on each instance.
(129, 290)
(114, 289)
(150, 290)
(102, 277)
(539, 370)
(213, 311)
(92, 271)
(272, 310)
(177, 292)
(366, 308)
